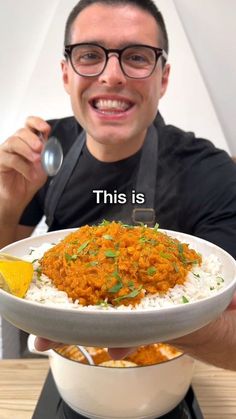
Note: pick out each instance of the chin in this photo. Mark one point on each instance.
(109, 137)
(111, 140)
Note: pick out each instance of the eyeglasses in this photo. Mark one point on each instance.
(136, 61)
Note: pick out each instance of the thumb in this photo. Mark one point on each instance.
(42, 344)
(232, 305)
(120, 353)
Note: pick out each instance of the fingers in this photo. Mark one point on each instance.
(36, 124)
(21, 152)
(42, 344)
(26, 140)
(232, 305)
(23, 143)
(120, 353)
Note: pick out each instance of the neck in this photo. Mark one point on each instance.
(114, 152)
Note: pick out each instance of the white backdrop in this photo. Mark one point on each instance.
(210, 28)
(31, 39)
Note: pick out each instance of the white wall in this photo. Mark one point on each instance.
(210, 27)
(30, 80)
(30, 60)
(187, 103)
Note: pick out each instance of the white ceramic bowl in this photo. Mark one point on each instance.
(116, 328)
(101, 392)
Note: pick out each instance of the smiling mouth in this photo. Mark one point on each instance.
(111, 106)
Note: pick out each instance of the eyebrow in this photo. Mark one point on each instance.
(105, 45)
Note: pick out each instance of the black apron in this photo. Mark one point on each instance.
(146, 182)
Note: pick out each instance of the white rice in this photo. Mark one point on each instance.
(202, 282)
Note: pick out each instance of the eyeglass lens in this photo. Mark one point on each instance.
(136, 61)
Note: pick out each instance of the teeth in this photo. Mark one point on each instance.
(103, 104)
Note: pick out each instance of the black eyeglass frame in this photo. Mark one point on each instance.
(159, 52)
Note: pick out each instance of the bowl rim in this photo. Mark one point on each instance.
(118, 312)
(134, 366)
(186, 317)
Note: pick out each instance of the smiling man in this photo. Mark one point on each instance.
(122, 80)
(121, 161)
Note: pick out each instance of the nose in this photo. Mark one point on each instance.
(112, 74)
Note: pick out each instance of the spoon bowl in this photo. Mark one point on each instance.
(51, 156)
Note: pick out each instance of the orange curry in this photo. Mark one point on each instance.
(144, 355)
(116, 264)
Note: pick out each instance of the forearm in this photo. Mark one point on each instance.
(10, 233)
(7, 235)
(9, 219)
(214, 344)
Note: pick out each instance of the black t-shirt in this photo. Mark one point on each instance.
(195, 186)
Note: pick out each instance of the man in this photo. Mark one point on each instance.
(115, 71)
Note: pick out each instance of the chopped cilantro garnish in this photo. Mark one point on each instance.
(102, 303)
(176, 268)
(116, 275)
(146, 240)
(128, 226)
(119, 285)
(165, 255)
(93, 252)
(93, 263)
(151, 270)
(116, 288)
(107, 237)
(143, 240)
(156, 227)
(132, 294)
(110, 254)
(220, 280)
(181, 253)
(83, 246)
(104, 223)
(185, 300)
(70, 258)
(180, 248)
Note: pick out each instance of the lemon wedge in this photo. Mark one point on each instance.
(15, 276)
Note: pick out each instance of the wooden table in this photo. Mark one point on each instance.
(21, 382)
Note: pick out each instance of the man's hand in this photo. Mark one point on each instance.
(21, 173)
(206, 344)
(42, 344)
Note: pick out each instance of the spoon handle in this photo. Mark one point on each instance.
(86, 354)
(41, 137)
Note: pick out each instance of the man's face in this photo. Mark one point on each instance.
(112, 108)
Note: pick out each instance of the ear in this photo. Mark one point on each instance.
(165, 79)
(65, 76)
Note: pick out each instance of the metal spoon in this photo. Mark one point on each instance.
(52, 155)
(86, 354)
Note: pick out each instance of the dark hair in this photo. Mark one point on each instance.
(147, 5)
